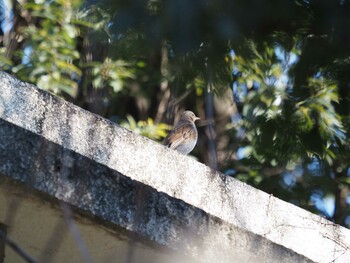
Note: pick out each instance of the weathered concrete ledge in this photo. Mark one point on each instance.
(139, 185)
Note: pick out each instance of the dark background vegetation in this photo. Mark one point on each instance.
(269, 80)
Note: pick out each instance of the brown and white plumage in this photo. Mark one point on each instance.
(183, 137)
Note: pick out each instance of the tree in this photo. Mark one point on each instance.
(269, 79)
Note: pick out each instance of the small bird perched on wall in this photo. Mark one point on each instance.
(184, 136)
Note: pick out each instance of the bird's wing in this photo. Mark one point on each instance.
(177, 136)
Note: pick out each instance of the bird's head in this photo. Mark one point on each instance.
(188, 116)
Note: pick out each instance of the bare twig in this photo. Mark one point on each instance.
(164, 85)
(211, 134)
(53, 243)
(17, 248)
(67, 213)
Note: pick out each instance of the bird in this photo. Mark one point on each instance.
(183, 137)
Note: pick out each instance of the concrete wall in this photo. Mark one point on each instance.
(38, 225)
(142, 187)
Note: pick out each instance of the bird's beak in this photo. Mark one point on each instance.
(195, 119)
